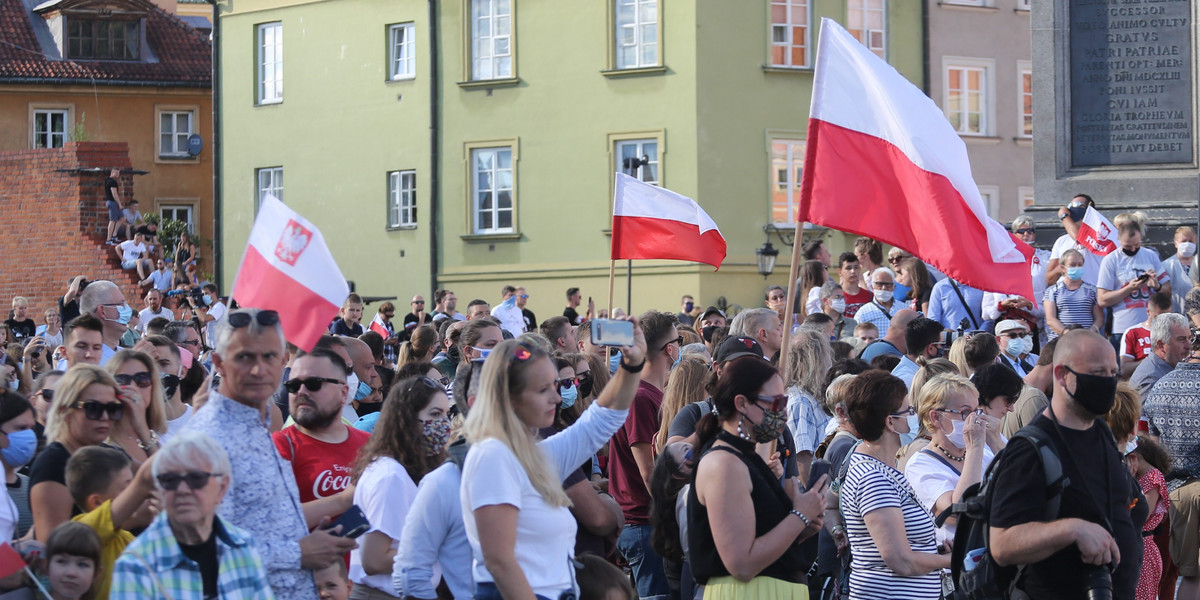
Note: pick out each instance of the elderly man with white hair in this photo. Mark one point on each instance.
(106, 300)
(249, 357)
(188, 547)
(883, 300)
(762, 324)
(1170, 342)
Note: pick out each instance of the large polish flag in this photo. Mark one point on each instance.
(883, 161)
(654, 222)
(287, 268)
(1096, 233)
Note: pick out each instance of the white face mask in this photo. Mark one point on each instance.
(956, 437)
(1186, 249)
(838, 305)
(883, 296)
(351, 387)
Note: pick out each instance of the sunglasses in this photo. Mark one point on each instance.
(563, 384)
(141, 379)
(195, 480)
(94, 409)
(908, 412)
(190, 343)
(265, 318)
(311, 384)
(47, 394)
(432, 384)
(778, 403)
(419, 302)
(1014, 335)
(1025, 230)
(678, 340)
(897, 259)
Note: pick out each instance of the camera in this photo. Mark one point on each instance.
(1099, 583)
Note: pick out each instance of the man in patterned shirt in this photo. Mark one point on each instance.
(1172, 407)
(263, 499)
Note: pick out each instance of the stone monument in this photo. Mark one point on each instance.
(1115, 109)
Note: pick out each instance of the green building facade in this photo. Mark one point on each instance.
(507, 150)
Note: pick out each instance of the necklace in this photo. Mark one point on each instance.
(947, 453)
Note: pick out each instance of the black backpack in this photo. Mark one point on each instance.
(988, 580)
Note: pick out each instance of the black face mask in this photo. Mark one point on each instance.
(707, 332)
(170, 383)
(1129, 252)
(1095, 393)
(585, 385)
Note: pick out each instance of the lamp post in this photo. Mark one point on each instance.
(767, 255)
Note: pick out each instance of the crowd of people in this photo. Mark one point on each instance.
(187, 450)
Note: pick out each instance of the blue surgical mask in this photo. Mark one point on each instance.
(208, 300)
(363, 391)
(21, 447)
(511, 302)
(124, 313)
(1075, 273)
(483, 352)
(1019, 346)
(569, 396)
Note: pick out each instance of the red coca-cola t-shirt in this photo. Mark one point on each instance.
(856, 301)
(322, 469)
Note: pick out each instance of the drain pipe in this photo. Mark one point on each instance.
(218, 258)
(434, 144)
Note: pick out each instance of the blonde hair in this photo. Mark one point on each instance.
(933, 367)
(1138, 217)
(156, 410)
(835, 394)
(684, 386)
(938, 391)
(958, 355)
(68, 390)
(810, 358)
(493, 416)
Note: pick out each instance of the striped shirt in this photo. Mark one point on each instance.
(871, 485)
(1074, 306)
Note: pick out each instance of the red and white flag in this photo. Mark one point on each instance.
(1096, 233)
(288, 268)
(654, 222)
(377, 325)
(883, 161)
(10, 560)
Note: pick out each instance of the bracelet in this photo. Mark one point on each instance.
(1063, 217)
(836, 529)
(801, 515)
(151, 444)
(632, 369)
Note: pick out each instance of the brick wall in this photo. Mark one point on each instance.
(55, 222)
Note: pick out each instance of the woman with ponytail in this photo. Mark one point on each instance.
(515, 510)
(743, 524)
(421, 346)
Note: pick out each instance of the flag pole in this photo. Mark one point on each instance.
(35, 581)
(793, 273)
(612, 280)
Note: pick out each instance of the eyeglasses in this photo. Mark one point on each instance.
(678, 340)
(195, 480)
(1025, 230)
(960, 415)
(141, 379)
(563, 384)
(418, 302)
(312, 384)
(94, 409)
(265, 318)
(778, 403)
(883, 285)
(1016, 334)
(46, 394)
(907, 412)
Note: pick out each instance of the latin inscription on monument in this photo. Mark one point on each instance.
(1131, 82)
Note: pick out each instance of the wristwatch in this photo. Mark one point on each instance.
(631, 368)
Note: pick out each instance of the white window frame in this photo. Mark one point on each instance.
(269, 63)
(639, 146)
(874, 39)
(49, 134)
(402, 199)
(968, 2)
(1025, 197)
(991, 200)
(638, 29)
(402, 61)
(1024, 68)
(495, 172)
(178, 139)
(481, 41)
(798, 13)
(189, 209)
(1024, 5)
(792, 167)
(267, 180)
(987, 96)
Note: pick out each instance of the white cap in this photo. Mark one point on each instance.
(1009, 325)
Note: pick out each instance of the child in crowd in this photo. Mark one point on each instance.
(601, 580)
(333, 582)
(1147, 461)
(1135, 344)
(349, 321)
(72, 556)
(866, 333)
(103, 485)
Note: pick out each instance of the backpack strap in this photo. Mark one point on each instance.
(963, 301)
(1056, 479)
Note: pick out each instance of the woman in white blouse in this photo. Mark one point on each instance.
(521, 532)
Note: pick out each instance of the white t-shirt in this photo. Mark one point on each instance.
(384, 493)
(146, 315)
(216, 311)
(930, 478)
(8, 517)
(812, 303)
(1091, 262)
(1116, 270)
(132, 250)
(176, 424)
(545, 534)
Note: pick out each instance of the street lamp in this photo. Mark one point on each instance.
(767, 255)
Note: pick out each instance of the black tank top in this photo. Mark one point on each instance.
(771, 505)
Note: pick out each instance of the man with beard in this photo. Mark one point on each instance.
(320, 446)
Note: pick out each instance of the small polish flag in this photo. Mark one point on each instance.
(10, 560)
(378, 326)
(287, 268)
(654, 222)
(883, 161)
(1096, 233)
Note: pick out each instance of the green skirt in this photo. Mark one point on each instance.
(759, 588)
